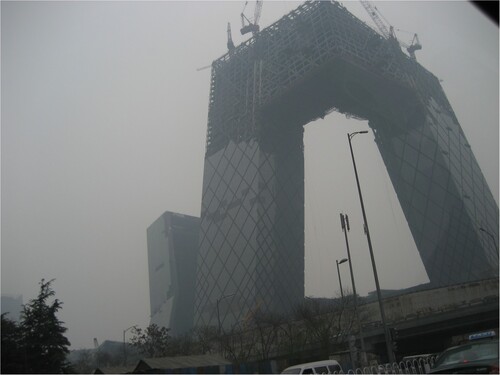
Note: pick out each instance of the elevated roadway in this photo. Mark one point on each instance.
(432, 320)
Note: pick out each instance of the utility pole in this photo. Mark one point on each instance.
(340, 280)
(125, 345)
(344, 222)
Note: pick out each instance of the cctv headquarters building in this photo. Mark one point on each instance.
(317, 59)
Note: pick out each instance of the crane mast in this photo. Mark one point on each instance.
(252, 27)
(257, 12)
(414, 46)
(230, 43)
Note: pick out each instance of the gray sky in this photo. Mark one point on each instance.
(103, 129)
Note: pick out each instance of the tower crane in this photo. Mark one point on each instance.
(376, 16)
(414, 46)
(249, 26)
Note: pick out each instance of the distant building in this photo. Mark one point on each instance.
(12, 305)
(172, 251)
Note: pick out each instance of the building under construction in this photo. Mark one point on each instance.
(317, 59)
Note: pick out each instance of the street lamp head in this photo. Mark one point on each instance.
(351, 135)
(342, 260)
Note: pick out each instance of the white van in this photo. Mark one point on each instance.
(321, 367)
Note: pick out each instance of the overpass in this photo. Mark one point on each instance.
(428, 321)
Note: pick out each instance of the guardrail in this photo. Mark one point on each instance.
(414, 366)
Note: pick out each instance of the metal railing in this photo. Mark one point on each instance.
(415, 366)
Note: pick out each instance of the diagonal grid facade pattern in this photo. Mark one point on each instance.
(317, 59)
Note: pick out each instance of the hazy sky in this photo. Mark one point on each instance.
(103, 129)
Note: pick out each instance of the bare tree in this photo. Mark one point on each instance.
(238, 344)
(292, 338)
(181, 345)
(267, 326)
(326, 323)
(154, 341)
(206, 339)
(85, 363)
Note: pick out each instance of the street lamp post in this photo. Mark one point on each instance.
(218, 313)
(387, 334)
(344, 223)
(340, 280)
(125, 345)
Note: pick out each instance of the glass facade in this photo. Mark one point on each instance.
(317, 59)
(251, 244)
(444, 196)
(172, 250)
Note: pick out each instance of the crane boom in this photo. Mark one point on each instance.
(373, 12)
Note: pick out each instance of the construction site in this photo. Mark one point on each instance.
(317, 59)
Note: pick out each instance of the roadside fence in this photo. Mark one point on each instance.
(414, 366)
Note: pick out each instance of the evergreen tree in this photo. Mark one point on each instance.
(45, 345)
(12, 347)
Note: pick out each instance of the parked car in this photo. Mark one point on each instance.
(478, 356)
(320, 367)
